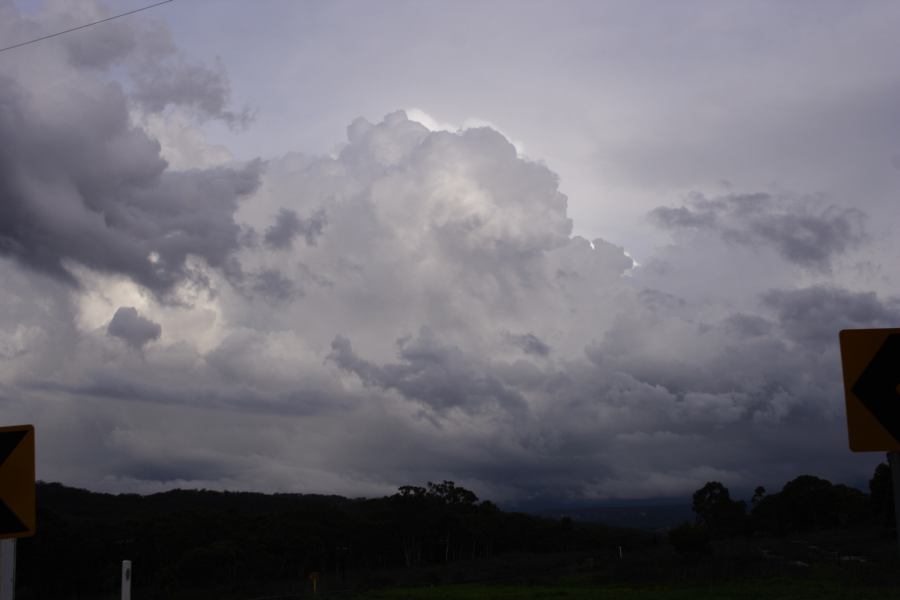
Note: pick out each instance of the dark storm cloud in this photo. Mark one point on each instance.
(816, 314)
(657, 300)
(239, 376)
(800, 231)
(529, 343)
(812, 239)
(748, 326)
(79, 183)
(106, 45)
(542, 361)
(432, 373)
(546, 365)
(682, 216)
(274, 285)
(172, 469)
(136, 330)
(288, 226)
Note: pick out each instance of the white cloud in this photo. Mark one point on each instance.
(432, 124)
(182, 143)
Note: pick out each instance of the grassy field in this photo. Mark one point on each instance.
(775, 589)
(834, 565)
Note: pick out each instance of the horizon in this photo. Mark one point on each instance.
(533, 506)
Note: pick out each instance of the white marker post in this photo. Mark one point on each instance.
(126, 580)
(7, 569)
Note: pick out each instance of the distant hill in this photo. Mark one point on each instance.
(232, 542)
(644, 517)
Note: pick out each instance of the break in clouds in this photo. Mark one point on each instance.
(413, 307)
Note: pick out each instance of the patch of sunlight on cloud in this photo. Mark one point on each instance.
(433, 124)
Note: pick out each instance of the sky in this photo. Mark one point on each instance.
(554, 252)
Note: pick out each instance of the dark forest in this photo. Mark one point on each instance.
(236, 542)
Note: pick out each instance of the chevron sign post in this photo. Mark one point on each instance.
(17, 506)
(870, 359)
(17, 510)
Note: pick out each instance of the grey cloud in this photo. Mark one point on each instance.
(682, 216)
(432, 373)
(800, 231)
(136, 330)
(343, 356)
(169, 469)
(658, 300)
(288, 226)
(747, 326)
(651, 387)
(596, 260)
(411, 243)
(159, 74)
(242, 374)
(456, 237)
(816, 314)
(272, 284)
(529, 343)
(80, 183)
(105, 46)
(613, 257)
(812, 240)
(159, 83)
(737, 368)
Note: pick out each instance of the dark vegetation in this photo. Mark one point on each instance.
(805, 504)
(232, 542)
(204, 544)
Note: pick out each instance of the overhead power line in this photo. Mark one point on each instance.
(46, 37)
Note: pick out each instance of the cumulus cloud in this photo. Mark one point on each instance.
(131, 327)
(439, 320)
(447, 308)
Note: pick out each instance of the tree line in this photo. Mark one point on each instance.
(199, 539)
(806, 503)
(208, 540)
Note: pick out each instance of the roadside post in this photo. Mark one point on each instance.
(870, 359)
(894, 460)
(7, 569)
(17, 505)
(126, 580)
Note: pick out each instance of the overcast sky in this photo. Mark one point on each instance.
(548, 250)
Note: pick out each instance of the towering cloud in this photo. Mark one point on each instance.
(412, 307)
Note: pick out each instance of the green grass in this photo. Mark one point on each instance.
(774, 589)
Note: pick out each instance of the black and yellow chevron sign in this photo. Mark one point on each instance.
(17, 510)
(871, 364)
